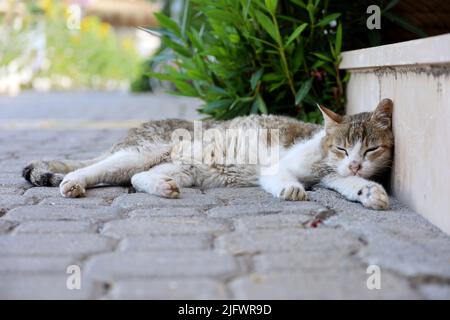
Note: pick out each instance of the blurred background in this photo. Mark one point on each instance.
(50, 45)
(76, 44)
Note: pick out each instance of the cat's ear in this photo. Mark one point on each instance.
(330, 118)
(382, 115)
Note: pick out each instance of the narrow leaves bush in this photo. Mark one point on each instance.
(255, 56)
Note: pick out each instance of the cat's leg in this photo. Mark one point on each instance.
(370, 194)
(164, 180)
(116, 169)
(50, 173)
(283, 179)
(283, 185)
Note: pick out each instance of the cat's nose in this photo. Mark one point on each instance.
(354, 167)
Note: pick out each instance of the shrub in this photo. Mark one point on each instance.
(256, 56)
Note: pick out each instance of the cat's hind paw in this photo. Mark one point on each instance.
(168, 188)
(294, 192)
(374, 196)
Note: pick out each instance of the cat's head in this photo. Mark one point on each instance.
(359, 144)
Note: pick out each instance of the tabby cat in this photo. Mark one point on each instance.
(343, 155)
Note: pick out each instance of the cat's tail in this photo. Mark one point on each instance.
(51, 173)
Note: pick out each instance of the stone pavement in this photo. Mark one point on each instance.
(216, 244)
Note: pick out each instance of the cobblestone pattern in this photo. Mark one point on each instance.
(217, 244)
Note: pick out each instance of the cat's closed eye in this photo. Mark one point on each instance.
(342, 150)
(372, 149)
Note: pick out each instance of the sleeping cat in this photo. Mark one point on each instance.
(342, 155)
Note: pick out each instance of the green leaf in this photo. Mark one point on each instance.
(262, 41)
(255, 78)
(177, 47)
(234, 38)
(260, 104)
(196, 39)
(168, 23)
(317, 64)
(218, 104)
(223, 16)
(272, 76)
(271, 5)
(298, 57)
(390, 5)
(194, 74)
(254, 108)
(303, 91)
(338, 44)
(299, 3)
(268, 25)
(158, 31)
(275, 86)
(159, 76)
(296, 33)
(332, 49)
(328, 19)
(246, 7)
(310, 8)
(185, 88)
(323, 57)
(287, 18)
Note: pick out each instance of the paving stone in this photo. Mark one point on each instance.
(308, 260)
(82, 202)
(179, 242)
(165, 212)
(12, 201)
(258, 209)
(350, 284)
(55, 227)
(430, 257)
(6, 226)
(256, 241)
(170, 289)
(40, 193)
(10, 191)
(20, 264)
(46, 287)
(189, 198)
(272, 221)
(41, 212)
(106, 192)
(14, 181)
(169, 225)
(435, 291)
(242, 210)
(243, 196)
(119, 265)
(398, 239)
(53, 244)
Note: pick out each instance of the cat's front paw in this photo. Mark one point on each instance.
(374, 196)
(293, 192)
(168, 188)
(72, 189)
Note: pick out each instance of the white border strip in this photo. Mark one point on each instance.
(432, 50)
